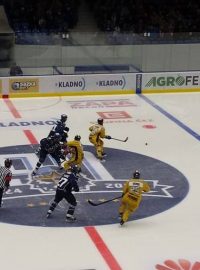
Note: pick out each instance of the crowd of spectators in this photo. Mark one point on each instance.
(138, 16)
(147, 16)
(42, 16)
(122, 20)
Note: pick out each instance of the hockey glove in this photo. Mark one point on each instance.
(66, 129)
(108, 137)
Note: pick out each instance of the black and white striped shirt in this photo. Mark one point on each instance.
(5, 177)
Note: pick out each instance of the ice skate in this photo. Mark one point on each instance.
(121, 222)
(70, 218)
(33, 173)
(49, 213)
(101, 159)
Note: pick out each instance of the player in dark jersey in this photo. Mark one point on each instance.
(66, 185)
(60, 128)
(5, 177)
(49, 146)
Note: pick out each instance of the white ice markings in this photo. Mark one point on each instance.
(95, 167)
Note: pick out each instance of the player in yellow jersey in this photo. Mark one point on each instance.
(97, 133)
(132, 196)
(75, 149)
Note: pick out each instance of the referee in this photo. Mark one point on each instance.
(5, 177)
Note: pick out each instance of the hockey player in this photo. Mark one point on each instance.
(97, 133)
(5, 177)
(75, 149)
(49, 146)
(132, 196)
(60, 128)
(66, 185)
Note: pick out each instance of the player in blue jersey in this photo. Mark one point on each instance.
(61, 128)
(49, 146)
(66, 185)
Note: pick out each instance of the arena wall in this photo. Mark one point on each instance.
(99, 84)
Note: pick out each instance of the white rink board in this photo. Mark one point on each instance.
(169, 81)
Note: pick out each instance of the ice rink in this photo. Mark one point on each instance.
(163, 133)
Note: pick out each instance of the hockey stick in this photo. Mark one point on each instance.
(96, 204)
(119, 139)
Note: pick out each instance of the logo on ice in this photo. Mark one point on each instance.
(182, 264)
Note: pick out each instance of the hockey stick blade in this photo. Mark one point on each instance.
(120, 139)
(92, 203)
(96, 204)
(126, 139)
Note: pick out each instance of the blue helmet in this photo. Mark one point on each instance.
(57, 137)
(63, 118)
(75, 169)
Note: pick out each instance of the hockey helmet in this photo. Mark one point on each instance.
(100, 121)
(75, 169)
(57, 137)
(77, 138)
(136, 174)
(8, 163)
(63, 118)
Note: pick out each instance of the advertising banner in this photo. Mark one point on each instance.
(88, 83)
(172, 81)
(23, 85)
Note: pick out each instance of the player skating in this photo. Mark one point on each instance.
(75, 150)
(66, 185)
(132, 196)
(61, 128)
(97, 133)
(49, 146)
(58, 128)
